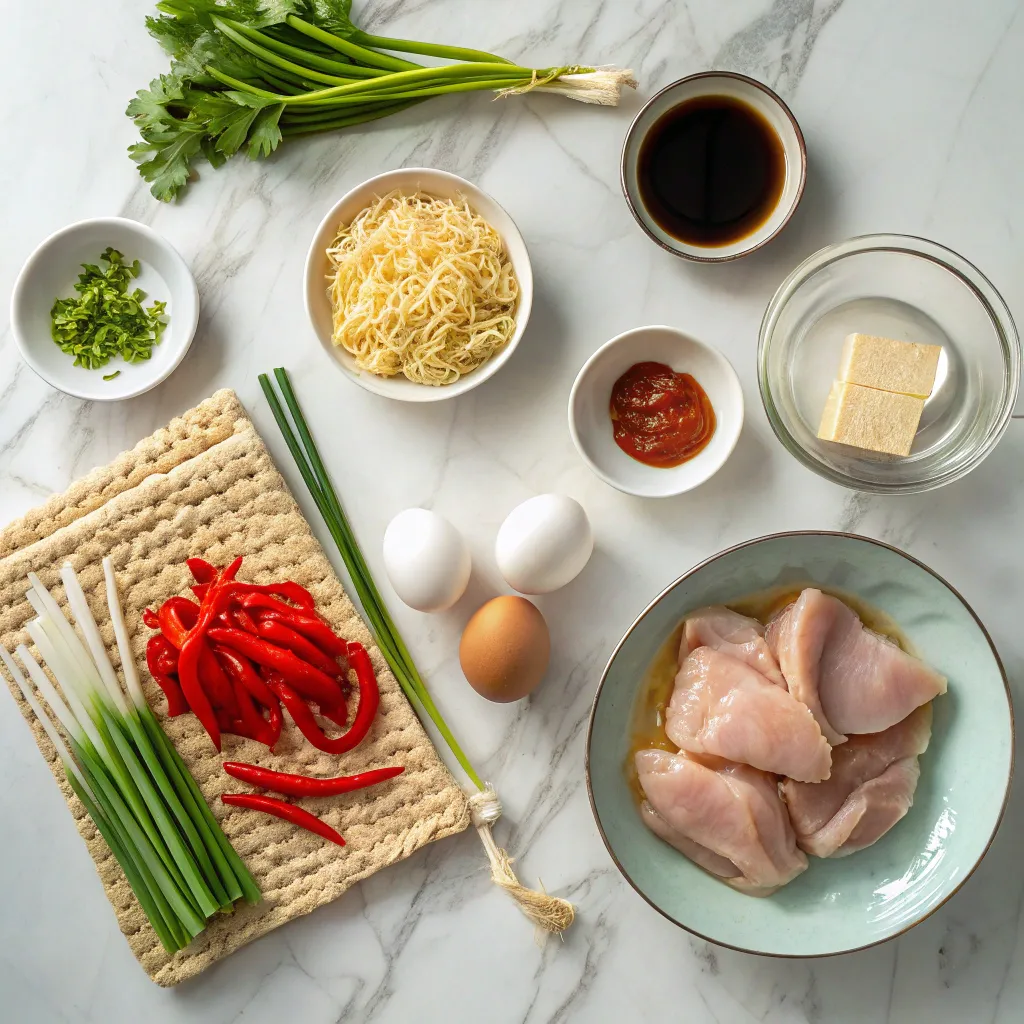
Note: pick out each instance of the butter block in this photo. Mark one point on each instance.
(905, 367)
(878, 421)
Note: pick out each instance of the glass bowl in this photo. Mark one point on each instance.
(899, 287)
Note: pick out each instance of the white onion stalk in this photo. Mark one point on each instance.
(128, 775)
(602, 85)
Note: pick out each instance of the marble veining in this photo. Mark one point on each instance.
(909, 108)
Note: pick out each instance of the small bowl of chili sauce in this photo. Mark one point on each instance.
(654, 412)
(713, 166)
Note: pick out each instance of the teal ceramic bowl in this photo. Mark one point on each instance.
(836, 906)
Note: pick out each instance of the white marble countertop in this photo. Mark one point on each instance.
(911, 111)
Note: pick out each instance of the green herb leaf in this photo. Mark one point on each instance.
(111, 376)
(106, 319)
(265, 135)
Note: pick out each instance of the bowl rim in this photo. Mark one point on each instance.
(690, 572)
(963, 270)
(368, 381)
(716, 354)
(191, 321)
(634, 127)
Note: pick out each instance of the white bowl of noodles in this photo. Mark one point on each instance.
(369, 319)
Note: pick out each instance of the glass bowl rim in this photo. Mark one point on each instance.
(969, 275)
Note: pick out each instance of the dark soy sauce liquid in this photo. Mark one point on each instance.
(711, 170)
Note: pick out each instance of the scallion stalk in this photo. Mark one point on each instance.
(307, 458)
(124, 769)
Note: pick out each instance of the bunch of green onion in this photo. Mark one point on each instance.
(250, 73)
(124, 769)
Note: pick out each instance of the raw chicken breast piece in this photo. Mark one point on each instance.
(871, 787)
(869, 813)
(722, 706)
(728, 819)
(853, 680)
(724, 630)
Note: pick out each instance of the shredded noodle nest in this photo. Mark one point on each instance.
(421, 286)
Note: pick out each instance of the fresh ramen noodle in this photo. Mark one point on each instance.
(421, 286)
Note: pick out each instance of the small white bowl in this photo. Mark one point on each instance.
(435, 183)
(766, 103)
(591, 427)
(51, 273)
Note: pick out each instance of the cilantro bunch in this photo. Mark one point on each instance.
(247, 74)
(105, 319)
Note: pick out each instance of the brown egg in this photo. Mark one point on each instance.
(505, 648)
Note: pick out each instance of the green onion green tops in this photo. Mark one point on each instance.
(106, 320)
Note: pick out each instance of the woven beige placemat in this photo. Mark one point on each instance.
(206, 486)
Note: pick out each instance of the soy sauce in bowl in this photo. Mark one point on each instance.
(711, 170)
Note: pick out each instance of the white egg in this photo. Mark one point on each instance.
(427, 560)
(543, 544)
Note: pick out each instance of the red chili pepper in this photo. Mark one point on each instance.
(274, 724)
(305, 785)
(176, 616)
(200, 590)
(256, 727)
(150, 619)
(157, 660)
(301, 714)
(202, 571)
(280, 634)
(308, 624)
(307, 679)
(286, 811)
(188, 675)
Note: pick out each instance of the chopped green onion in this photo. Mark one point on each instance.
(314, 474)
(124, 769)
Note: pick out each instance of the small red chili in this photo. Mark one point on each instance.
(305, 785)
(369, 693)
(285, 811)
(150, 619)
(235, 665)
(278, 633)
(161, 665)
(215, 682)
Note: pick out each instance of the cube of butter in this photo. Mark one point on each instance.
(902, 366)
(879, 421)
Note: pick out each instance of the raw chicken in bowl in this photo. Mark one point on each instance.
(815, 763)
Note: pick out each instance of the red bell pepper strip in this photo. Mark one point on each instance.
(202, 571)
(188, 675)
(307, 679)
(256, 728)
(229, 572)
(150, 619)
(278, 633)
(176, 616)
(369, 699)
(238, 667)
(285, 811)
(216, 683)
(305, 785)
(301, 714)
(369, 694)
(309, 625)
(243, 620)
(157, 660)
